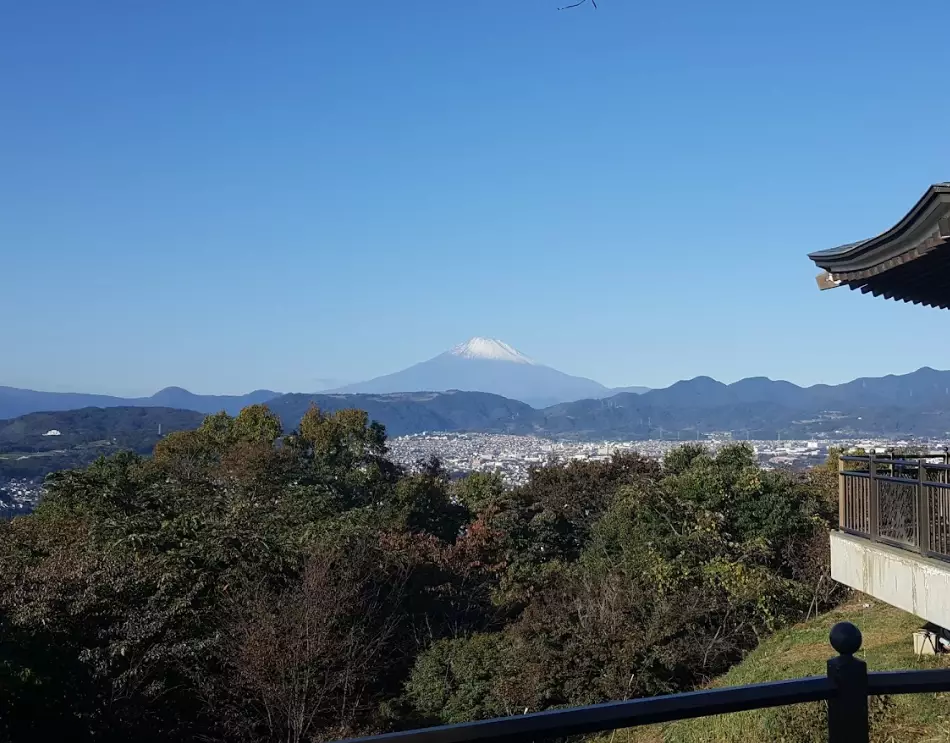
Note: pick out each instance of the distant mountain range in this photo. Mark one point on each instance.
(916, 404)
(15, 402)
(479, 365)
(485, 384)
(414, 412)
(488, 365)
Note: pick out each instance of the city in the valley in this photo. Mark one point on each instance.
(513, 457)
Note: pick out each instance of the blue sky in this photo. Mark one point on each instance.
(228, 195)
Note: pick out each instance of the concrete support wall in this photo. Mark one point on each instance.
(915, 584)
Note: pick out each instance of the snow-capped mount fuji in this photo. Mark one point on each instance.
(489, 349)
(486, 365)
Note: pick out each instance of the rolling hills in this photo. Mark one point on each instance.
(38, 432)
(414, 412)
(36, 444)
(911, 404)
(15, 402)
(916, 404)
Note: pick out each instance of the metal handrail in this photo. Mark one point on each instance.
(860, 508)
(913, 463)
(908, 682)
(597, 718)
(846, 688)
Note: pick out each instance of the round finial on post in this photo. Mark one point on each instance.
(845, 638)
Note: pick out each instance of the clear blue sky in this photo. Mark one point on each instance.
(227, 195)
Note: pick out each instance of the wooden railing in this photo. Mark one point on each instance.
(846, 688)
(903, 502)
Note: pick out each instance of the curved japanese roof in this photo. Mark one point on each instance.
(910, 261)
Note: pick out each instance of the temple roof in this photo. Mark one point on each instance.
(910, 261)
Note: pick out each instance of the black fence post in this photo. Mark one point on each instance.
(842, 496)
(848, 706)
(874, 501)
(923, 509)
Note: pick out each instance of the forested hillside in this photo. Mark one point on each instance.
(243, 585)
(28, 450)
(135, 428)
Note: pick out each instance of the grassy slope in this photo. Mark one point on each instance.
(802, 650)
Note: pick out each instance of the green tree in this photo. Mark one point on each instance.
(422, 503)
(456, 680)
(479, 491)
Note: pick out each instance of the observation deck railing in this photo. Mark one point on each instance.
(903, 502)
(846, 688)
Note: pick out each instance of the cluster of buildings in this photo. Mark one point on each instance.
(18, 497)
(514, 456)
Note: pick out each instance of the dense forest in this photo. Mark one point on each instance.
(244, 584)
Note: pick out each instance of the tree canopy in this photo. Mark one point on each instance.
(244, 583)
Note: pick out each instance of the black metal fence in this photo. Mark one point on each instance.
(904, 502)
(846, 688)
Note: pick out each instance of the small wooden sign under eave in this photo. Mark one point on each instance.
(827, 281)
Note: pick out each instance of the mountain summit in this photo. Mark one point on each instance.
(489, 348)
(485, 365)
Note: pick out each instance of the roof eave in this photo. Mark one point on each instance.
(933, 208)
